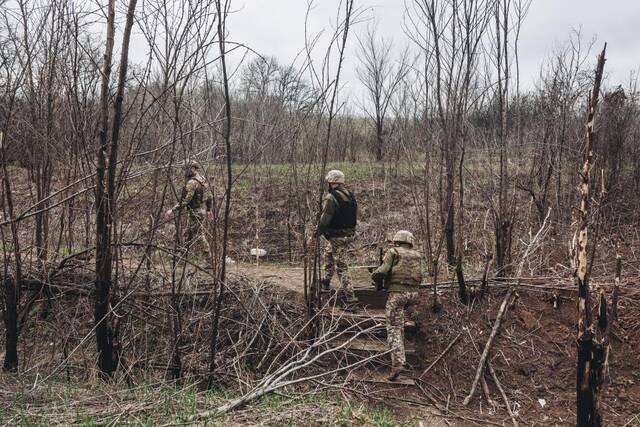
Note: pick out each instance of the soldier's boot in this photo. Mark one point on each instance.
(395, 373)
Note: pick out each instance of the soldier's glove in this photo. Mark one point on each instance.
(377, 280)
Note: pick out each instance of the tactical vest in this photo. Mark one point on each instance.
(198, 196)
(346, 216)
(407, 271)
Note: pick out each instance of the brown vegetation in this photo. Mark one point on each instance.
(451, 147)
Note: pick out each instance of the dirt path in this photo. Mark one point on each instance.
(290, 278)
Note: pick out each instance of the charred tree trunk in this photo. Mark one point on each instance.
(11, 285)
(449, 220)
(11, 324)
(591, 351)
(462, 287)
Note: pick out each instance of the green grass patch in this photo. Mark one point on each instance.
(97, 403)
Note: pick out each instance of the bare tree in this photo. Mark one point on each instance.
(592, 348)
(380, 74)
(450, 33)
(222, 8)
(12, 79)
(107, 159)
(554, 104)
(503, 213)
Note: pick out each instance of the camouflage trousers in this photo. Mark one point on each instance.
(336, 259)
(195, 236)
(396, 304)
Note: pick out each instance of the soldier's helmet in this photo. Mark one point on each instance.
(335, 177)
(193, 164)
(404, 236)
(191, 169)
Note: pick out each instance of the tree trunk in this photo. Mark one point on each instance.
(589, 380)
(105, 203)
(591, 352)
(11, 324)
(503, 245)
(12, 286)
(379, 141)
(222, 15)
(450, 210)
(503, 224)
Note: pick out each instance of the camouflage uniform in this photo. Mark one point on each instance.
(403, 267)
(338, 240)
(336, 255)
(194, 194)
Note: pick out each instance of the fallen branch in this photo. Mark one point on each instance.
(502, 393)
(487, 393)
(446, 350)
(533, 242)
(278, 379)
(487, 347)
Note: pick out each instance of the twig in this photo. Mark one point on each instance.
(446, 350)
(278, 379)
(503, 308)
(487, 393)
(502, 393)
(487, 347)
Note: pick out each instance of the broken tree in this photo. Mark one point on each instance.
(592, 345)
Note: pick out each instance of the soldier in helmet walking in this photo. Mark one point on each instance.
(401, 270)
(198, 202)
(338, 226)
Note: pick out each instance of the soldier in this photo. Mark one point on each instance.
(338, 226)
(194, 194)
(401, 270)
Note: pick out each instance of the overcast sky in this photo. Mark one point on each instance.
(276, 28)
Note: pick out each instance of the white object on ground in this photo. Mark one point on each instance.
(259, 252)
(229, 260)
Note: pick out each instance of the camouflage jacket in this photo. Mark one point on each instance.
(402, 268)
(329, 207)
(194, 194)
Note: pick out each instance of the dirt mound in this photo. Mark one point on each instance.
(534, 357)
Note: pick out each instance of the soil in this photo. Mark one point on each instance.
(287, 277)
(534, 357)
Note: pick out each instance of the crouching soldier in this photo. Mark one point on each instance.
(401, 271)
